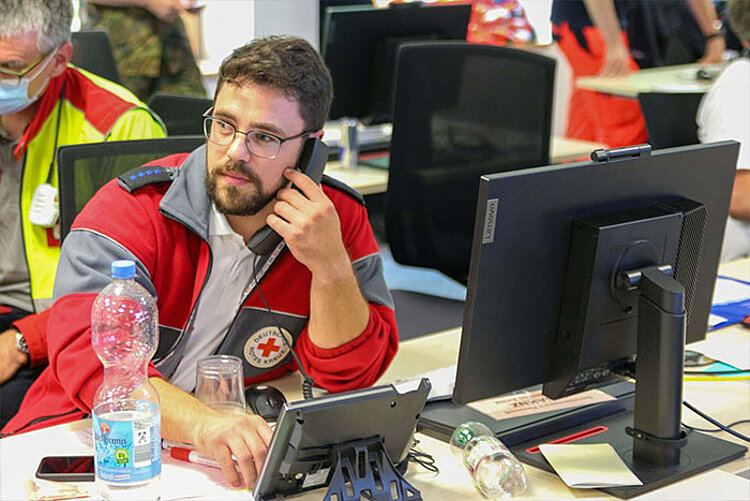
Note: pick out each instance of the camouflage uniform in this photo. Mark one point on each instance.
(152, 55)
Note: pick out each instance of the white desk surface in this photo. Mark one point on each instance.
(366, 180)
(679, 78)
(726, 401)
(370, 180)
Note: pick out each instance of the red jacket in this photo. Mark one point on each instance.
(163, 227)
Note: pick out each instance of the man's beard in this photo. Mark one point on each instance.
(235, 201)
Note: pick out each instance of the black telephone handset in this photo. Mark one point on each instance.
(312, 161)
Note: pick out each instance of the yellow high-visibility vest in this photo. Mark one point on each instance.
(77, 107)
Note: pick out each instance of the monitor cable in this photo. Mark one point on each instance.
(423, 459)
(307, 381)
(716, 430)
(716, 423)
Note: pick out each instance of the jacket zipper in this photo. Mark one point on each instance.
(200, 294)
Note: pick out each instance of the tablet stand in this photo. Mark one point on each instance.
(364, 470)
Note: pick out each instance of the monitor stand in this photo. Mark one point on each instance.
(650, 439)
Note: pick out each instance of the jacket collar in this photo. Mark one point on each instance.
(186, 200)
(46, 104)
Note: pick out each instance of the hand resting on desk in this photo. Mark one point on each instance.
(233, 440)
(244, 437)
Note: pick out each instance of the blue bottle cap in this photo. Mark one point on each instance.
(123, 269)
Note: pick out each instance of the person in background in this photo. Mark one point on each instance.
(44, 103)
(499, 22)
(724, 113)
(150, 45)
(492, 22)
(670, 32)
(596, 38)
(323, 288)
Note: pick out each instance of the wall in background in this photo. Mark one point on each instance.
(226, 25)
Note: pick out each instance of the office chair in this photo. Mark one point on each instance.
(670, 118)
(183, 115)
(84, 168)
(92, 51)
(461, 111)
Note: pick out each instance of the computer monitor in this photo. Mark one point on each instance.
(359, 46)
(578, 267)
(323, 5)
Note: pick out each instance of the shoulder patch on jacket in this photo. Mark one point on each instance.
(335, 183)
(145, 175)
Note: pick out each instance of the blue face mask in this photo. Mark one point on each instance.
(14, 98)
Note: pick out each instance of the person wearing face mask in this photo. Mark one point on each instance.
(44, 103)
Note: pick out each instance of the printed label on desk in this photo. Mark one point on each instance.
(533, 402)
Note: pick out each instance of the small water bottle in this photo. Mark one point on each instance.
(349, 145)
(126, 412)
(495, 470)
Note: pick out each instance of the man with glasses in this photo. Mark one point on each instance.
(44, 103)
(186, 219)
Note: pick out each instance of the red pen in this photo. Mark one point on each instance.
(192, 456)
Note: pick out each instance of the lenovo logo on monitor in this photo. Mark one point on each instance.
(490, 215)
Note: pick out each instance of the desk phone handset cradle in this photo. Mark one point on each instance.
(312, 162)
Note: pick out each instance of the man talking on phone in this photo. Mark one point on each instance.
(186, 219)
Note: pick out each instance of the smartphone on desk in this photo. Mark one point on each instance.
(66, 468)
(312, 161)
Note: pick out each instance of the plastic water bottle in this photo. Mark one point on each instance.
(126, 412)
(495, 470)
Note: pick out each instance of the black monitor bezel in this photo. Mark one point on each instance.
(351, 61)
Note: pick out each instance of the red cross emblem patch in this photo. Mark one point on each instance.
(266, 348)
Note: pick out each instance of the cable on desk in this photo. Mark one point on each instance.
(715, 430)
(423, 459)
(715, 422)
(307, 381)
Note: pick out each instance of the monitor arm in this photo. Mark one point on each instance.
(656, 431)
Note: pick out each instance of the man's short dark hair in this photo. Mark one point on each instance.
(738, 13)
(288, 64)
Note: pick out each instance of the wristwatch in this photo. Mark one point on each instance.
(21, 343)
(718, 30)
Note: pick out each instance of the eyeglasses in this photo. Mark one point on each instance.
(15, 77)
(261, 144)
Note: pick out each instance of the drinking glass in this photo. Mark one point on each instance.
(219, 383)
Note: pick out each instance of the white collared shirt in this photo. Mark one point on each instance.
(221, 298)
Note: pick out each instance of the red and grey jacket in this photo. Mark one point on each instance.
(159, 219)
